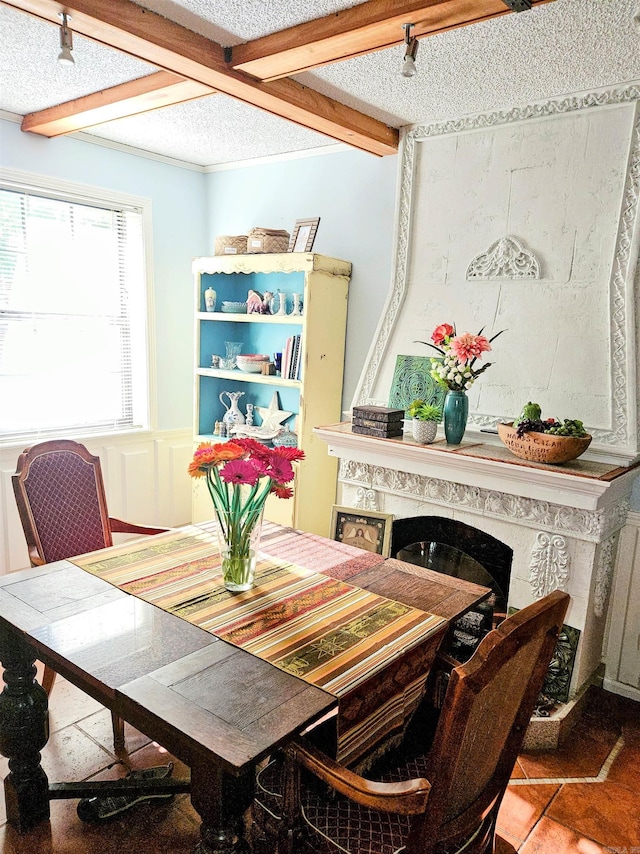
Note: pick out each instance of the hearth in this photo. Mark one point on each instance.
(462, 551)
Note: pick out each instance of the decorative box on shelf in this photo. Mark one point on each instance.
(380, 421)
(231, 244)
(267, 240)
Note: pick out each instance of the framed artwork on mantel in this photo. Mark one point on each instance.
(565, 291)
(364, 529)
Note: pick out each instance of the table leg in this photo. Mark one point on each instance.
(221, 801)
(24, 731)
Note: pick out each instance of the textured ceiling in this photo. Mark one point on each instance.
(562, 47)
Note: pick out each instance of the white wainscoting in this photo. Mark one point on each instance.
(145, 479)
(622, 672)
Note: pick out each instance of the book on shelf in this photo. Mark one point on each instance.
(295, 357)
(286, 358)
(291, 358)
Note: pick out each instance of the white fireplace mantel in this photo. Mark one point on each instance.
(582, 485)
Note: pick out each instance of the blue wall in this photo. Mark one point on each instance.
(353, 194)
(178, 213)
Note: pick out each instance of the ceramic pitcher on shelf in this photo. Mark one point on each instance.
(233, 415)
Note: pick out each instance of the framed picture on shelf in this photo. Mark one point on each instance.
(365, 529)
(303, 235)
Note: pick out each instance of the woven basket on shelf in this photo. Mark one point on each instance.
(267, 240)
(229, 244)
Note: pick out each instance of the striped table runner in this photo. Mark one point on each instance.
(323, 630)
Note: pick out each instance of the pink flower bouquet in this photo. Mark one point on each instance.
(240, 475)
(454, 368)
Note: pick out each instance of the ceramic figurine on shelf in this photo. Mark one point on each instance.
(266, 302)
(258, 304)
(254, 302)
(210, 299)
(249, 417)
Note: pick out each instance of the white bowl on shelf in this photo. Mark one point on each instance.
(251, 363)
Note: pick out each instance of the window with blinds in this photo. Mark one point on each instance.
(73, 350)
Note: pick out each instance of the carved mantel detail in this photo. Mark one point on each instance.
(366, 499)
(604, 573)
(593, 526)
(549, 567)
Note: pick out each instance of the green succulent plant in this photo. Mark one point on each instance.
(424, 411)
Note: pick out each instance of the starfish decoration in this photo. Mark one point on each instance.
(272, 416)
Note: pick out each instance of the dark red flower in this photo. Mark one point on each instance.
(282, 491)
(291, 454)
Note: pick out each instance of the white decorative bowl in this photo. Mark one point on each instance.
(251, 364)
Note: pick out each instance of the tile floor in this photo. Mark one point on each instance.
(581, 799)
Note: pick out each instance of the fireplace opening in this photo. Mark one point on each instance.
(453, 548)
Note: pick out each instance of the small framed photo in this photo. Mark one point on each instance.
(365, 529)
(303, 235)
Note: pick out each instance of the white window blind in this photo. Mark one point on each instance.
(73, 352)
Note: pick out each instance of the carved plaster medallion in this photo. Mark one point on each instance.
(549, 566)
(505, 259)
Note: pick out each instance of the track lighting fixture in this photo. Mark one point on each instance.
(410, 51)
(65, 57)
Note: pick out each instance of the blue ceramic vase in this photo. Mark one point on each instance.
(456, 411)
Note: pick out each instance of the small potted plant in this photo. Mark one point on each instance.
(425, 421)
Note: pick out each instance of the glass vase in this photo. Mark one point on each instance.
(239, 543)
(238, 571)
(456, 412)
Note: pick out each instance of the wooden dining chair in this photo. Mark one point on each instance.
(437, 802)
(63, 509)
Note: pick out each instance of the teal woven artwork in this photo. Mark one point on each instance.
(412, 381)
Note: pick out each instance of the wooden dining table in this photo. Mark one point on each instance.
(330, 633)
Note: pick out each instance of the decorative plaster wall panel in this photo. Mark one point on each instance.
(556, 172)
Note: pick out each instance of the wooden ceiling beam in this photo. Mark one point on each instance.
(161, 89)
(361, 29)
(130, 28)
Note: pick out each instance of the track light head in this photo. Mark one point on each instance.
(410, 52)
(65, 57)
